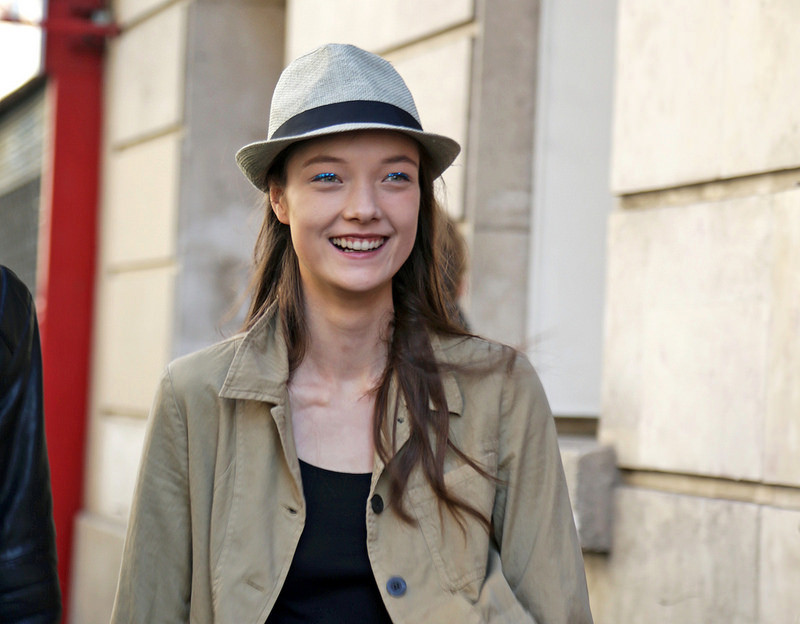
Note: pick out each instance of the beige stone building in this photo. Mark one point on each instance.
(629, 191)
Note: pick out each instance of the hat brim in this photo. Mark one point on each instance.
(256, 158)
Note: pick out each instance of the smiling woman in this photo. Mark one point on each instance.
(354, 455)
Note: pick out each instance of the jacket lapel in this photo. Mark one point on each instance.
(267, 509)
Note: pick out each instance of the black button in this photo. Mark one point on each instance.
(396, 586)
(377, 503)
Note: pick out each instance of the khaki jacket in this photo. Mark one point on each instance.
(218, 508)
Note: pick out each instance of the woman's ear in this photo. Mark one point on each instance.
(277, 200)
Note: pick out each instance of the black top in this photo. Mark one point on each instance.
(330, 580)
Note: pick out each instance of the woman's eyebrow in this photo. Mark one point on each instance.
(400, 158)
(322, 158)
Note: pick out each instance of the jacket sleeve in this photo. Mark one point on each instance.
(155, 576)
(29, 590)
(533, 520)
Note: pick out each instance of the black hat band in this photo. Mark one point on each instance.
(357, 111)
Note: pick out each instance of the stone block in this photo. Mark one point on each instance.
(591, 473)
(782, 431)
(211, 289)
(374, 26)
(677, 559)
(126, 11)
(703, 372)
(497, 292)
(145, 69)
(668, 123)
(779, 565)
(442, 98)
(220, 212)
(229, 88)
(503, 109)
(117, 443)
(629, 240)
(687, 332)
(705, 90)
(140, 201)
(95, 568)
(134, 335)
(761, 119)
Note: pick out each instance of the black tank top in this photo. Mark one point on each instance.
(330, 580)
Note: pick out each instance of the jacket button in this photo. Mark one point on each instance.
(396, 586)
(377, 503)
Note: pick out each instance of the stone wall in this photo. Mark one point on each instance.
(702, 351)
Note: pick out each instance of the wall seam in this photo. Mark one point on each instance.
(717, 488)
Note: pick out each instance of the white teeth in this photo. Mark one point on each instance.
(357, 244)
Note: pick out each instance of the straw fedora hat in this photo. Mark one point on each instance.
(339, 88)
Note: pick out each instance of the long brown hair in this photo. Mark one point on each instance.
(423, 305)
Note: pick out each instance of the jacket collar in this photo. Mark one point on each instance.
(260, 367)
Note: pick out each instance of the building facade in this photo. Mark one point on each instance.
(701, 383)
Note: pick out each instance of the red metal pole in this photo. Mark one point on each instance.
(66, 279)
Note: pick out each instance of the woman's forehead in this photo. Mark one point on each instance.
(360, 142)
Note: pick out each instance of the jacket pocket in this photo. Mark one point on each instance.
(459, 549)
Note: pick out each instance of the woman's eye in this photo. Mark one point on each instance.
(325, 177)
(398, 176)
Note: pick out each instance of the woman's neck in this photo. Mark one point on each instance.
(347, 339)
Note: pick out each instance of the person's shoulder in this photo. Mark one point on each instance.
(205, 367)
(15, 298)
(471, 350)
(10, 280)
(16, 312)
(488, 358)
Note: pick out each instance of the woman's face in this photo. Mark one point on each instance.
(351, 202)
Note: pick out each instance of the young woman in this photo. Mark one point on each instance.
(354, 455)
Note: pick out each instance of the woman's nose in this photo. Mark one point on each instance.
(362, 203)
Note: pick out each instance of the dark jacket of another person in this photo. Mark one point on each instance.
(29, 591)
